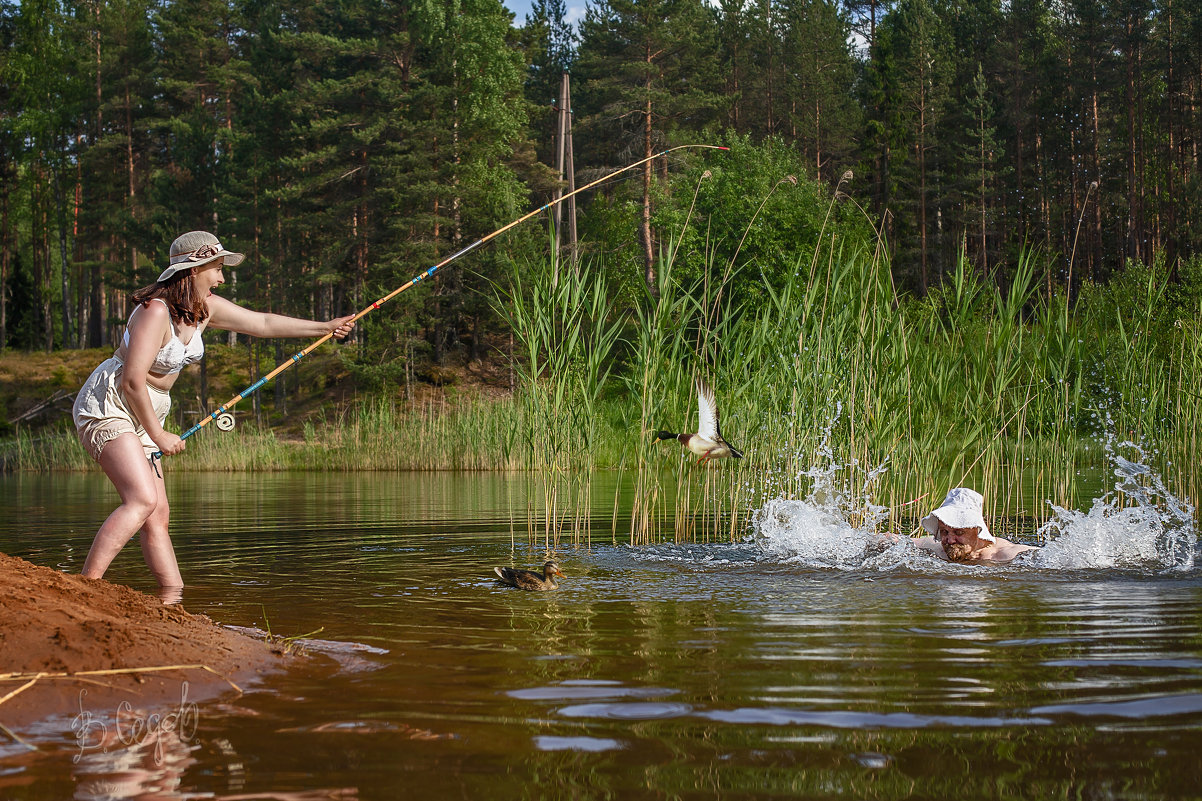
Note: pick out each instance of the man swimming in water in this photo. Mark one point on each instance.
(959, 534)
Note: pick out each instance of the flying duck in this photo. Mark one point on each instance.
(707, 443)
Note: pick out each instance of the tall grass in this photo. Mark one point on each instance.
(1007, 390)
(568, 331)
(1001, 389)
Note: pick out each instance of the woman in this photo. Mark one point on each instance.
(120, 410)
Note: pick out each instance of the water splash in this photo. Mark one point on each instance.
(835, 525)
(807, 532)
(1138, 525)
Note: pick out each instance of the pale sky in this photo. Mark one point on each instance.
(521, 8)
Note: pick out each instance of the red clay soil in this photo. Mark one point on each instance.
(51, 622)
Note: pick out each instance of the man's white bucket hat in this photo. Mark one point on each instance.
(962, 508)
(197, 248)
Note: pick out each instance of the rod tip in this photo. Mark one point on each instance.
(722, 148)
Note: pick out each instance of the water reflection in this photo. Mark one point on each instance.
(679, 670)
(150, 767)
(590, 744)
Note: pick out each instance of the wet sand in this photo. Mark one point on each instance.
(55, 623)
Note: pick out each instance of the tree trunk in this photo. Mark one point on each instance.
(645, 227)
(922, 188)
(46, 271)
(281, 397)
(1170, 211)
(97, 322)
(4, 253)
(361, 245)
(39, 239)
(1095, 252)
(817, 134)
(83, 275)
(1132, 248)
(204, 384)
(64, 262)
(252, 353)
(734, 87)
(984, 198)
(770, 38)
(129, 174)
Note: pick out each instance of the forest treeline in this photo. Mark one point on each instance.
(345, 147)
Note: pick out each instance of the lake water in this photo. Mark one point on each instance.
(807, 661)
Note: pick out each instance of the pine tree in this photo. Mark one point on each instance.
(9, 150)
(921, 49)
(550, 45)
(477, 117)
(864, 16)
(734, 62)
(114, 168)
(46, 90)
(979, 167)
(1091, 47)
(638, 62)
(818, 63)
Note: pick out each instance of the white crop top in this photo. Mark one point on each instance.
(175, 355)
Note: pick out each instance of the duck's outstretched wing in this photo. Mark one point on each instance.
(707, 412)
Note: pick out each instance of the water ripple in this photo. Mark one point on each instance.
(637, 711)
(1162, 706)
(589, 744)
(572, 691)
(863, 720)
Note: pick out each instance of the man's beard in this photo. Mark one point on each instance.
(958, 552)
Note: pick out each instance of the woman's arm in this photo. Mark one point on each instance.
(149, 329)
(232, 317)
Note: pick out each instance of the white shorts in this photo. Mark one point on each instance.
(101, 413)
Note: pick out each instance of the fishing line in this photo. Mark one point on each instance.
(225, 421)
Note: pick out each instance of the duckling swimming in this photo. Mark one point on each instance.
(707, 442)
(528, 579)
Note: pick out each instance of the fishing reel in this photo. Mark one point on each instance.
(224, 421)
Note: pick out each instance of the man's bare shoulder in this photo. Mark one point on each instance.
(1005, 550)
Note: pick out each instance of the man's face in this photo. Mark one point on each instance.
(958, 543)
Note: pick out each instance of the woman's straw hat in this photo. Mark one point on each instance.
(961, 509)
(197, 248)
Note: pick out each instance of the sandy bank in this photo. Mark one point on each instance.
(55, 623)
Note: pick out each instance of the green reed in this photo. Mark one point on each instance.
(1004, 389)
(999, 389)
(568, 330)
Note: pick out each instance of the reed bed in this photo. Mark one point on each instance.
(567, 330)
(1006, 390)
(829, 374)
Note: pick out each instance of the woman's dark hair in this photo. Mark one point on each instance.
(180, 297)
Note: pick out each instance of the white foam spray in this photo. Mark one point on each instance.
(835, 525)
(1140, 524)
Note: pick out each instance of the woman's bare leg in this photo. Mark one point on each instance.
(124, 462)
(156, 546)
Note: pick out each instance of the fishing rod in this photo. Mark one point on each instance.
(225, 420)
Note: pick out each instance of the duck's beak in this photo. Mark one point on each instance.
(560, 574)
